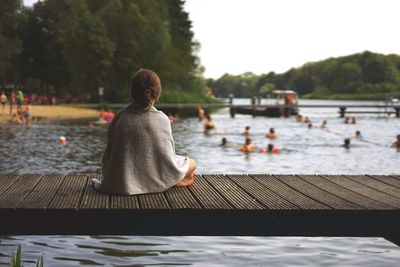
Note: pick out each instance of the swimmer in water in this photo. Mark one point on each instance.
(358, 135)
(299, 118)
(248, 146)
(209, 125)
(307, 120)
(346, 143)
(353, 120)
(247, 131)
(347, 120)
(270, 149)
(224, 142)
(397, 143)
(200, 113)
(324, 124)
(310, 125)
(271, 134)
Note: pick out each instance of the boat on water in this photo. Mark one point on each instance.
(285, 106)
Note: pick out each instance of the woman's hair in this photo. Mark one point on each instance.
(145, 88)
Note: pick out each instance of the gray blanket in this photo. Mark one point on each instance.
(140, 155)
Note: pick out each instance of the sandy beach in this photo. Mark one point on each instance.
(49, 112)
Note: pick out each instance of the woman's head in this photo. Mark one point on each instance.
(145, 88)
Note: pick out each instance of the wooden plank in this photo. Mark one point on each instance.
(376, 184)
(316, 193)
(181, 198)
(43, 193)
(364, 190)
(124, 202)
(92, 199)
(70, 193)
(263, 194)
(344, 193)
(293, 196)
(232, 193)
(207, 196)
(156, 201)
(19, 190)
(391, 180)
(6, 180)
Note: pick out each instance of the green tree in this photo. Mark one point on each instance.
(86, 48)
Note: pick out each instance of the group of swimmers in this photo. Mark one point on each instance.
(249, 146)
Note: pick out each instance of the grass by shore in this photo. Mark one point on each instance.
(54, 113)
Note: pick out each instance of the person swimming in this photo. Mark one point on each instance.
(396, 144)
(270, 149)
(247, 131)
(358, 135)
(353, 120)
(200, 113)
(346, 143)
(307, 120)
(271, 134)
(347, 120)
(209, 125)
(324, 124)
(299, 118)
(310, 125)
(224, 142)
(248, 146)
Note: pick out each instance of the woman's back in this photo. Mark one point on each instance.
(140, 155)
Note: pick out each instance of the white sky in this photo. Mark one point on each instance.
(274, 35)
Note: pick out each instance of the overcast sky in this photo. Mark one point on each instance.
(237, 36)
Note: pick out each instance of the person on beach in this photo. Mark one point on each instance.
(271, 134)
(209, 125)
(346, 143)
(248, 146)
(20, 98)
(396, 144)
(324, 124)
(3, 99)
(200, 113)
(27, 115)
(140, 154)
(247, 131)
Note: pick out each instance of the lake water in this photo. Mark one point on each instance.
(312, 151)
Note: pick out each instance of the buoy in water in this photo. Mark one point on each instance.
(62, 140)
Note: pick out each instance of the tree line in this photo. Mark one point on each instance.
(76, 46)
(364, 75)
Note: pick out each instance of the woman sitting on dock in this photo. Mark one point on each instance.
(140, 155)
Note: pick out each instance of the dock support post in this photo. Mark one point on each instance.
(232, 111)
(253, 103)
(397, 112)
(342, 111)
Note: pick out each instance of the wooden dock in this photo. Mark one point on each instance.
(221, 205)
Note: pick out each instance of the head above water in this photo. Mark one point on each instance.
(347, 142)
(272, 130)
(247, 128)
(270, 147)
(145, 88)
(398, 137)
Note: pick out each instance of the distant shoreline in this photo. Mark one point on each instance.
(50, 112)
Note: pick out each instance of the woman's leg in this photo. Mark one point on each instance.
(190, 176)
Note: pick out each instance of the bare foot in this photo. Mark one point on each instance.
(187, 181)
